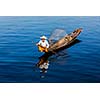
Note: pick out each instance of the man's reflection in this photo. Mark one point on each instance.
(44, 66)
(43, 62)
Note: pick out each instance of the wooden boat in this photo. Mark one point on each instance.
(64, 41)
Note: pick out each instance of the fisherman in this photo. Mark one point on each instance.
(43, 44)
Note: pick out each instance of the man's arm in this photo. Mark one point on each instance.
(38, 43)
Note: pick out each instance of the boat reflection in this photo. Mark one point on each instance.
(43, 62)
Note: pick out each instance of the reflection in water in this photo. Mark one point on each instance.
(43, 62)
(44, 66)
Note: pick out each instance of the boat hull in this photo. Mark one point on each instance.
(65, 41)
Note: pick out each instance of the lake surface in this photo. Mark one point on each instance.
(19, 56)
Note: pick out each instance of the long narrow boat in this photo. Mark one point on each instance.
(64, 41)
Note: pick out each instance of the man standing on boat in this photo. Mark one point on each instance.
(43, 44)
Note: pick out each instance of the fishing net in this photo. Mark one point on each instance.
(57, 34)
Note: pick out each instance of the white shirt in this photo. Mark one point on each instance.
(44, 44)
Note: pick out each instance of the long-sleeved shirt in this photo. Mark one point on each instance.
(44, 44)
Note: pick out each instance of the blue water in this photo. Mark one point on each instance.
(19, 56)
